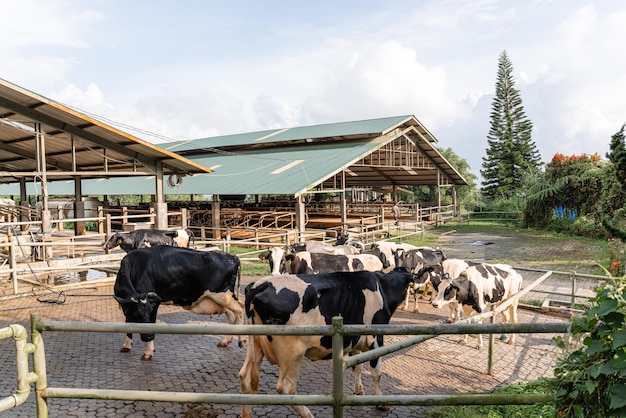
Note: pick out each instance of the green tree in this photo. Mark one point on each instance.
(613, 200)
(511, 154)
(465, 195)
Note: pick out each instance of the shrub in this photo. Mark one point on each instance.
(590, 381)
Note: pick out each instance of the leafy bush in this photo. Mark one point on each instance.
(590, 381)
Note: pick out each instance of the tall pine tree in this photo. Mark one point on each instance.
(511, 154)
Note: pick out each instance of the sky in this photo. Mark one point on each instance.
(178, 70)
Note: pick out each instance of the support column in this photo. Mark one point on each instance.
(216, 217)
(342, 196)
(300, 218)
(160, 206)
(79, 207)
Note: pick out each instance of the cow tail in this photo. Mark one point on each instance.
(238, 281)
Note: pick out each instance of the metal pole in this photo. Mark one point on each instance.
(491, 348)
(39, 365)
(337, 366)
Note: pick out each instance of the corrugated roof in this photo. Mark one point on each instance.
(292, 168)
(75, 144)
(334, 131)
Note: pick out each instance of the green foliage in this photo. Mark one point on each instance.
(539, 386)
(511, 154)
(582, 226)
(590, 380)
(465, 195)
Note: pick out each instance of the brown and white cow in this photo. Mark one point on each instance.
(314, 299)
(478, 287)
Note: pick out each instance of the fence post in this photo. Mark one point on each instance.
(490, 355)
(573, 300)
(39, 365)
(337, 366)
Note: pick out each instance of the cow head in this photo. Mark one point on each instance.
(141, 308)
(378, 252)
(342, 238)
(277, 260)
(115, 240)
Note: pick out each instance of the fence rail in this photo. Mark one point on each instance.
(336, 399)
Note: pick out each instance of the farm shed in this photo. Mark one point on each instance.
(300, 162)
(43, 142)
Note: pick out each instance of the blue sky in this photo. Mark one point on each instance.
(192, 69)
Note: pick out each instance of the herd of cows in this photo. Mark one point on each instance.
(308, 284)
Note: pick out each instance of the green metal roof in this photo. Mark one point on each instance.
(298, 160)
(331, 130)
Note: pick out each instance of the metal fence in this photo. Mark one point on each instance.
(336, 399)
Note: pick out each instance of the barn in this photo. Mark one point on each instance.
(51, 149)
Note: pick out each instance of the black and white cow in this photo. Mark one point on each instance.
(414, 260)
(277, 259)
(384, 250)
(141, 238)
(202, 282)
(325, 248)
(344, 238)
(314, 299)
(439, 277)
(481, 285)
(306, 262)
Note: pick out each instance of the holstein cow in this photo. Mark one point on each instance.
(202, 282)
(314, 299)
(439, 277)
(277, 260)
(306, 262)
(384, 251)
(481, 285)
(413, 260)
(324, 248)
(344, 238)
(141, 238)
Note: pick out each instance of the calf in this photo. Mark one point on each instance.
(142, 238)
(202, 282)
(305, 262)
(314, 299)
(481, 285)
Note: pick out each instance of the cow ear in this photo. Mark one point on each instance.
(122, 300)
(289, 257)
(153, 297)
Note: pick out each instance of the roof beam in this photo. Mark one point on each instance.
(80, 132)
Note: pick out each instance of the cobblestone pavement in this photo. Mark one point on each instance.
(193, 363)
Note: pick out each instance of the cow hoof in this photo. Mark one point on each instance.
(146, 357)
(449, 321)
(462, 342)
(242, 342)
(223, 344)
(359, 392)
(383, 407)
(124, 350)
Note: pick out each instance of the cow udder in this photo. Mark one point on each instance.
(208, 305)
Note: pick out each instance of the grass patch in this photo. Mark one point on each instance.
(539, 386)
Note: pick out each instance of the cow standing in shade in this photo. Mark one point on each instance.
(481, 285)
(202, 282)
(314, 299)
(142, 238)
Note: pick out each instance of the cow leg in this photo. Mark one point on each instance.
(510, 316)
(128, 344)
(416, 308)
(376, 372)
(358, 383)
(250, 372)
(289, 353)
(405, 307)
(147, 355)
